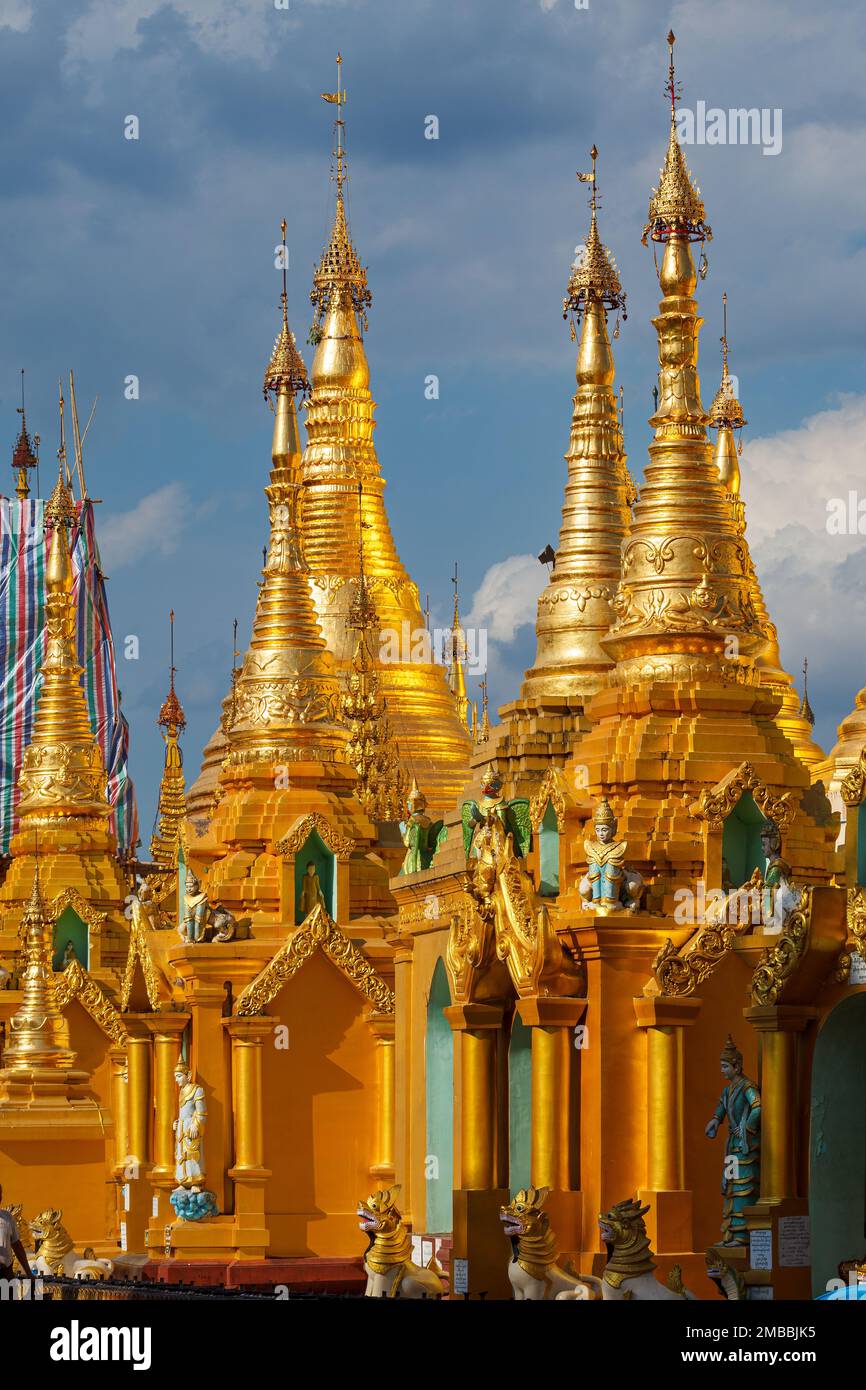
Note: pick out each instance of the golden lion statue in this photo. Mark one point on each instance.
(533, 1271)
(391, 1271)
(57, 1254)
(629, 1269)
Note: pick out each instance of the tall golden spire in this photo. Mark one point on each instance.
(727, 417)
(38, 1032)
(62, 774)
(457, 655)
(339, 456)
(684, 602)
(574, 611)
(172, 802)
(285, 698)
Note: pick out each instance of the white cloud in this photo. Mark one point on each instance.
(16, 15)
(153, 526)
(240, 29)
(507, 597)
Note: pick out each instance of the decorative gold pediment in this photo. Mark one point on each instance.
(70, 897)
(780, 962)
(715, 806)
(340, 845)
(316, 932)
(77, 983)
(139, 950)
(678, 972)
(470, 949)
(554, 790)
(853, 787)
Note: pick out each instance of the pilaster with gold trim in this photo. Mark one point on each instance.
(665, 1020)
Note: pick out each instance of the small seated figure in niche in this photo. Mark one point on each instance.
(201, 922)
(779, 896)
(311, 891)
(69, 954)
(609, 883)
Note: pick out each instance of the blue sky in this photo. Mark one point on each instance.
(155, 257)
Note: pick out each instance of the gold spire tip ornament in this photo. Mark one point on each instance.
(24, 456)
(726, 409)
(595, 274)
(339, 277)
(286, 368)
(171, 714)
(676, 208)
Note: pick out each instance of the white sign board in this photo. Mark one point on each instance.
(460, 1270)
(764, 1291)
(761, 1249)
(858, 969)
(795, 1244)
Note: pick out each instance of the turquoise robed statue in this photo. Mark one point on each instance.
(740, 1105)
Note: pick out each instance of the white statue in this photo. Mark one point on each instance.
(191, 1200)
(189, 1131)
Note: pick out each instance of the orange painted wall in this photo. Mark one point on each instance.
(71, 1175)
(320, 1115)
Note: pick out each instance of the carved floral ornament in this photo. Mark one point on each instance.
(317, 932)
(70, 897)
(715, 806)
(780, 962)
(139, 949)
(553, 791)
(76, 983)
(340, 845)
(853, 787)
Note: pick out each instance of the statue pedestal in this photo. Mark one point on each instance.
(479, 1239)
(215, 1238)
(785, 1280)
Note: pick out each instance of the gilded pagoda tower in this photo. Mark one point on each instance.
(284, 757)
(576, 609)
(340, 456)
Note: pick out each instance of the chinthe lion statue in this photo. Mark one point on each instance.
(629, 1272)
(533, 1271)
(56, 1253)
(391, 1271)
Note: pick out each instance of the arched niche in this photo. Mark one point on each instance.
(314, 851)
(742, 851)
(69, 929)
(519, 1105)
(548, 853)
(439, 1072)
(837, 1142)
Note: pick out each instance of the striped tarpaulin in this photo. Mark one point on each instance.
(22, 600)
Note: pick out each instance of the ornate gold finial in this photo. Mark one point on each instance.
(595, 275)
(457, 655)
(23, 457)
(38, 1032)
(484, 726)
(676, 207)
(339, 278)
(286, 367)
(171, 809)
(726, 409)
(806, 711)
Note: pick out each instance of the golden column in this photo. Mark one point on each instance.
(477, 1199)
(166, 1031)
(120, 1107)
(555, 1138)
(665, 1020)
(779, 1025)
(248, 1173)
(383, 1030)
(137, 1198)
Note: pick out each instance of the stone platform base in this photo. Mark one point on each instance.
(313, 1275)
